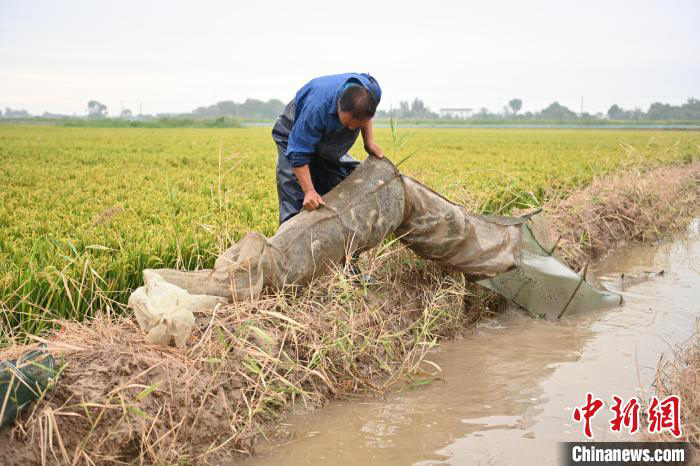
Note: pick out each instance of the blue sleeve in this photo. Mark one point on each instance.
(305, 134)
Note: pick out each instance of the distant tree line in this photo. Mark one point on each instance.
(251, 108)
(10, 113)
(416, 109)
(555, 111)
(259, 109)
(659, 111)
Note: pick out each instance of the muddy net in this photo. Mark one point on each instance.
(509, 255)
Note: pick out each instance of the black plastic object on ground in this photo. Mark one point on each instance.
(22, 381)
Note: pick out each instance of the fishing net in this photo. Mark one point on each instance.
(375, 201)
(359, 213)
(543, 285)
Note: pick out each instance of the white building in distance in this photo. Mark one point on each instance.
(456, 112)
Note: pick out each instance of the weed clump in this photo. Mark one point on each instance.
(680, 376)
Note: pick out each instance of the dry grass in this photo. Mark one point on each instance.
(633, 206)
(680, 376)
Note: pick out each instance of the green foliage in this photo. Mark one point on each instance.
(690, 110)
(556, 111)
(96, 109)
(160, 122)
(251, 108)
(84, 210)
(515, 105)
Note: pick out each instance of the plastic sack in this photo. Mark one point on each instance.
(165, 311)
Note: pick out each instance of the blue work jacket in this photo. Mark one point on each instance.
(317, 128)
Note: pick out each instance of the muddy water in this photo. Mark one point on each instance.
(509, 389)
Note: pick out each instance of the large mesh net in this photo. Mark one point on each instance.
(506, 254)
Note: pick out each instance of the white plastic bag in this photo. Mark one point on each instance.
(165, 311)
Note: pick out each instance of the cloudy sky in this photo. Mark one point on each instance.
(174, 56)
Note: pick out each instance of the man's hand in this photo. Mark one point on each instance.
(373, 148)
(312, 200)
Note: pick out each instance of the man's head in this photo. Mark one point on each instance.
(356, 106)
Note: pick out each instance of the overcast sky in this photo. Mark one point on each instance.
(174, 56)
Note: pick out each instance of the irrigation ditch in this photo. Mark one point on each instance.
(507, 390)
(117, 399)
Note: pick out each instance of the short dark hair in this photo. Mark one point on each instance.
(359, 101)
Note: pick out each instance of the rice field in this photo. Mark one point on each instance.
(84, 210)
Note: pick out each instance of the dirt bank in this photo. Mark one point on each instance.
(633, 206)
(118, 399)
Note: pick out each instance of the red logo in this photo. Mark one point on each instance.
(627, 416)
(667, 417)
(589, 410)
